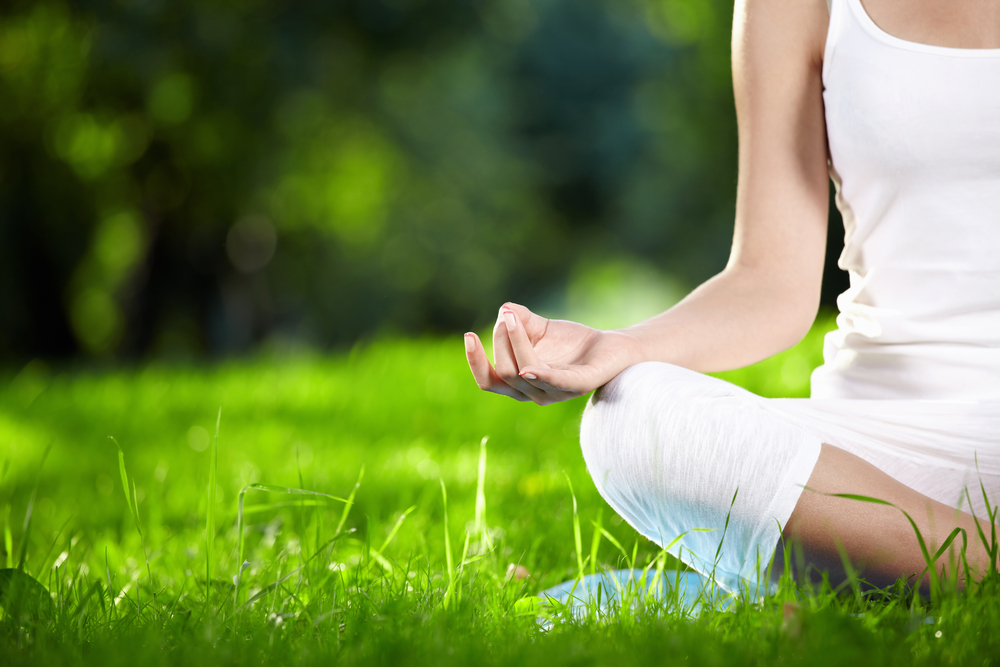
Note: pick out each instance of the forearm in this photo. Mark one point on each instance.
(732, 320)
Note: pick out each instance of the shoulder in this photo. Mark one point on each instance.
(781, 29)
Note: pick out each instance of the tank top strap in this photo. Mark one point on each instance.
(838, 9)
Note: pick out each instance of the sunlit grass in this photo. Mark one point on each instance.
(357, 516)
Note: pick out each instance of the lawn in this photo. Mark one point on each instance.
(352, 553)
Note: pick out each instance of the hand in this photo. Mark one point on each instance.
(546, 361)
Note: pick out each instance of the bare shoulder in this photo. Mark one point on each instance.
(788, 31)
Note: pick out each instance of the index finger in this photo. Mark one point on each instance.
(486, 377)
(524, 351)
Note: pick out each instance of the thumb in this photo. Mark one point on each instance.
(534, 325)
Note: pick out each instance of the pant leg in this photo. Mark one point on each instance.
(669, 449)
(946, 450)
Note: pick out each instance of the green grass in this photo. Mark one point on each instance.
(375, 526)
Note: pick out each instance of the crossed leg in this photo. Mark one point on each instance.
(878, 539)
(667, 448)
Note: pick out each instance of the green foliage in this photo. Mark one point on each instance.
(186, 177)
(316, 563)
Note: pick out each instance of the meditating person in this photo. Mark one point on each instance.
(898, 102)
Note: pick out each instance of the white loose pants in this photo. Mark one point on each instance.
(669, 448)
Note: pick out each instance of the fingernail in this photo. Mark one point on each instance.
(508, 317)
(470, 342)
(528, 376)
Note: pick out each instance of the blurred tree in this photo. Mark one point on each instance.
(192, 177)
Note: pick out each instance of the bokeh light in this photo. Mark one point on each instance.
(188, 179)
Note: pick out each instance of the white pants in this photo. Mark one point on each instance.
(669, 449)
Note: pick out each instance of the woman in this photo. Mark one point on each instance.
(898, 101)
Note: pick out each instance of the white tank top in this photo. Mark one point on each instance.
(914, 136)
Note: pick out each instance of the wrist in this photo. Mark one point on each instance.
(631, 344)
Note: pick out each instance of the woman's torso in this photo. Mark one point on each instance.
(914, 135)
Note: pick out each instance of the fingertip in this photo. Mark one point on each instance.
(533, 375)
(530, 375)
(470, 342)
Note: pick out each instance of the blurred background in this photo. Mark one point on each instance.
(199, 179)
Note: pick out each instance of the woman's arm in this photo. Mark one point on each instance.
(766, 298)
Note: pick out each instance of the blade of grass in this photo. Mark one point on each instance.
(657, 582)
(392, 534)
(8, 537)
(292, 491)
(930, 570)
(349, 503)
(577, 539)
(111, 590)
(979, 529)
(125, 486)
(725, 528)
(482, 533)
(944, 546)
(991, 515)
(681, 536)
(852, 574)
(447, 548)
(26, 531)
(302, 508)
(595, 541)
(132, 498)
(213, 471)
(611, 538)
(395, 528)
(267, 507)
(967, 574)
(461, 564)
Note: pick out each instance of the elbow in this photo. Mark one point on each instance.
(789, 301)
(785, 296)
(797, 332)
(797, 314)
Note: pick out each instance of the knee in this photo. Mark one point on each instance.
(669, 449)
(648, 438)
(635, 404)
(610, 407)
(648, 415)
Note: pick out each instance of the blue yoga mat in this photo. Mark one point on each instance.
(686, 591)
